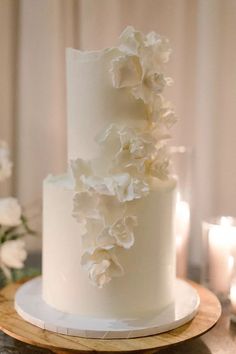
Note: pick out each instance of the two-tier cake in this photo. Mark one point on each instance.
(108, 242)
(108, 245)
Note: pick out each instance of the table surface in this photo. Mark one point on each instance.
(220, 340)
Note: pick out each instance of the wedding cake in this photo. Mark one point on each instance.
(108, 243)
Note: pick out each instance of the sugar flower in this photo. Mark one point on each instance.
(131, 40)
(126, 71)
(160, 165)
(132, 147)
(123, 186)
(88, 205)
(102, 266)
(121, 233)
(151, 85)
(161, 112)
(156, 47)
(141, 66)
(79, 169)
(156, 51)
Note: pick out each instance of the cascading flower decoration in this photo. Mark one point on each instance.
(135, 154)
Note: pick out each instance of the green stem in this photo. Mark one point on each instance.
(27, 228)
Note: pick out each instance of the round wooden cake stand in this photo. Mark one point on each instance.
(12, 324)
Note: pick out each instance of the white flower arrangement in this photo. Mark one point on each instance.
(13, 224)
(10, 212)
(130, 157)
(12, 256)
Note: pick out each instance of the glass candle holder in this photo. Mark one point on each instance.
(219, 246)
(182, 166)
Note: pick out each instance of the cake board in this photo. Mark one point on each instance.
(12, 324)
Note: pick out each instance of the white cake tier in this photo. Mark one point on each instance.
(93, 103)
(147, 285)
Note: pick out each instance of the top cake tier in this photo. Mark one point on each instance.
(93, 102)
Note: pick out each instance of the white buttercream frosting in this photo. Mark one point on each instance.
(121, 194)
(130, 153)
(146, 284)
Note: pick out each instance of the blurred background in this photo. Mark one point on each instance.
(33, 38)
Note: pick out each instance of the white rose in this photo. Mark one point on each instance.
(10, 212)
(13, 254)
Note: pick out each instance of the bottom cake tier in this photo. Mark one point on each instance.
(147, 286)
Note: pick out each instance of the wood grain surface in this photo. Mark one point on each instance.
(12, 324)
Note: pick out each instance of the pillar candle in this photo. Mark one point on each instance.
(221, 239)
(233, 299)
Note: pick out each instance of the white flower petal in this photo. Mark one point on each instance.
(122, 231)
(155, 82)
(159, 50)
(137, 189)
(160, 165)
(109, 134)
(99, 274)
(105, 240)
(13, 254)
(99, 185)
(112, 209)
(162, 112)
(126, 71)
(79, 169)
(10, 212)
(142, 92)
(102, 266)
(89, 238)
(85, 205)
(131, 40)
